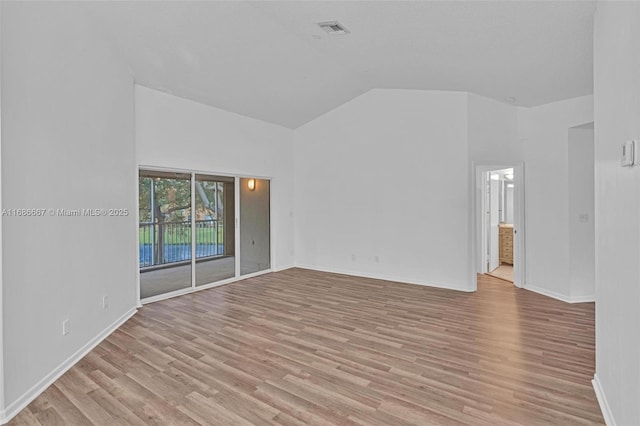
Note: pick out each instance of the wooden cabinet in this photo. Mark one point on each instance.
(506, 243)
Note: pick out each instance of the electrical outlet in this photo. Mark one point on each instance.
(65, 327)
(105, 302)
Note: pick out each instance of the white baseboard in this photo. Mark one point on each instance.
(283, 268)
(382, 277)
(602, 400)
(546, 292)
(18, 405)
(583, 299)
(559, 296)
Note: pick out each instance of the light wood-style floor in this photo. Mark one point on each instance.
(503, 271)
(302, 347)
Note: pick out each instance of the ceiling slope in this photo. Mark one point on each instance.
(270, 61)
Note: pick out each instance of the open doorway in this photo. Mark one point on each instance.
(499, 223)
(499, 220)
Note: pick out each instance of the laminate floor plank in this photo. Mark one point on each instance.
(302, 347)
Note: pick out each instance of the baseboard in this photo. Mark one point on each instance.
(559, 296)
(283, 268)
(18, 405)
(546, 292)
(382, 277)
(602, 400)
(583, 299)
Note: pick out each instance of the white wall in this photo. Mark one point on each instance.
(580, 196)
(501, 133)
(544, 133)
(509, 206)
(178, 133)
(381, 188)
(370, 164)
(67, 142)
(493, 140)
(617, 118)
(493, 131)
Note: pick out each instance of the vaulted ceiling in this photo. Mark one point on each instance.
(269, 60)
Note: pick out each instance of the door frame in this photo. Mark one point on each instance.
(478, 224)
(487, 237)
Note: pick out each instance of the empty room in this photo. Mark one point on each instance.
(320, 213)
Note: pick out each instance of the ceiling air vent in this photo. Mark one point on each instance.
(333, 27)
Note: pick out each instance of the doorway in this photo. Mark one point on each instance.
(499, 218)
(499, 221)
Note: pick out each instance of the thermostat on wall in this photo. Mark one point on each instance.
(629, 149)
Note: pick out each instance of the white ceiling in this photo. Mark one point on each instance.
(269, 60)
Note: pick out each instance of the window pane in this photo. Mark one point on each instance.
(255, 252)
(215, 235)
(165, 233)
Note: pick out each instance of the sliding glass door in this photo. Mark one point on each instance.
(164, 232)
(188, 234)
(255, 222)
(214, 228)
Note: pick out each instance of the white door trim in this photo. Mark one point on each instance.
(493, 236)
(478, 224)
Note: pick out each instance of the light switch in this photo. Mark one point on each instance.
(629, 149)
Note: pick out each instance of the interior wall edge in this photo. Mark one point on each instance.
(2, 409)
(559, 296)
(602, 401)
(2, 404)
